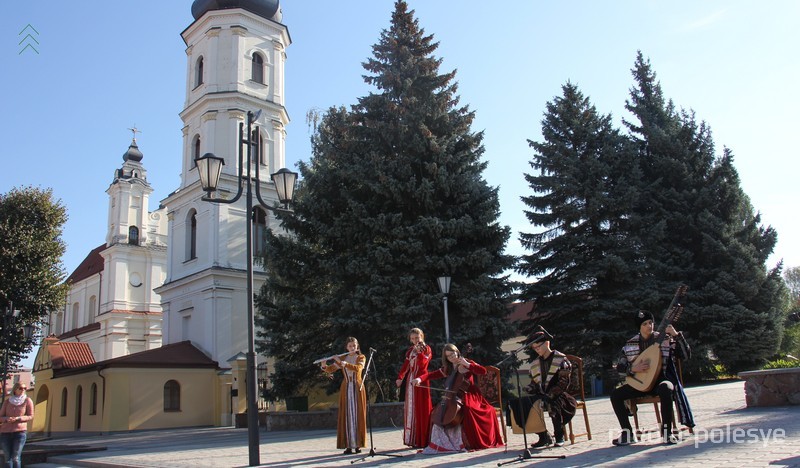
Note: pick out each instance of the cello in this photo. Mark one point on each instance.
(449, 411)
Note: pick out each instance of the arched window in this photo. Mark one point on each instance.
(133, 235)
(64, 396)
(259, 153)
(172, 396)
(92, 308)
(262, 151)
(195, 150)
(75, 309)
(198, 72)
(93, 399)
(191, 235)
(78, 407)
(257, 74)
(259, 232)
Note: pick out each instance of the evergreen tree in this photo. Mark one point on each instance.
(31, 276)
(582, 255)
(698, 227)
(392, 198)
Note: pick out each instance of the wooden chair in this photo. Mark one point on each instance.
(576, 390)
(492, 389)
(633, 405)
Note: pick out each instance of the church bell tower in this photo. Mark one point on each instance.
(235, 55)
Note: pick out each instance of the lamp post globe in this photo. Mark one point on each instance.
(444, 288)
(284, 181)
(209, 168)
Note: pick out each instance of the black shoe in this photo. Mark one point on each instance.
(544, 441)
(625, 438)
(347, 451)
(358, 450)
(671, 440)
(559, 442)
(669, 437)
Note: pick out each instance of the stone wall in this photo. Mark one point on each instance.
(772, 387)
(382, 415)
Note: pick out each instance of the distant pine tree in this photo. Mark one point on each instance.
(392, 198)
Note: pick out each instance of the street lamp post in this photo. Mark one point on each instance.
(444, 288)
(209, 167)
(9, 330)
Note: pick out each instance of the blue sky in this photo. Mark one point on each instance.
(103, 66)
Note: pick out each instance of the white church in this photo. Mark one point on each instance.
(154, 329)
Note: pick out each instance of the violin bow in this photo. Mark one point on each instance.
(437, 388)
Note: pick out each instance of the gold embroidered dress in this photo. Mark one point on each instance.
(352, 425)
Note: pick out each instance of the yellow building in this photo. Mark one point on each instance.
(172, 386)
(155, 324)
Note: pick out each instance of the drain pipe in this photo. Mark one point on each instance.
(103, 410)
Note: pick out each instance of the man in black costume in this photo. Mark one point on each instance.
(550, 380)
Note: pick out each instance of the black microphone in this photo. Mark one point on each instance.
(373, 350)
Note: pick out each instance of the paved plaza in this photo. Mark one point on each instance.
(727, 434)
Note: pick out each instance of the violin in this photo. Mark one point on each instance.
(449, 410)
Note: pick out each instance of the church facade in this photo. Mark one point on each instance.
(154, 328)
(111, 304)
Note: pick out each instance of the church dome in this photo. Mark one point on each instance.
(269, 9)
(133, 153)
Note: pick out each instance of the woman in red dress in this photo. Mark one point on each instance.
(417, 408)
(479, 428)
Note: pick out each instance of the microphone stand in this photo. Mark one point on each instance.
(526, 452)
(372, 451)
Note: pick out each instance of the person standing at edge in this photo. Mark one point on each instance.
(15, 413)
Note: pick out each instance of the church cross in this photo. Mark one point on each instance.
(135, 131)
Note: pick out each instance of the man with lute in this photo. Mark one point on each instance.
(651, 376)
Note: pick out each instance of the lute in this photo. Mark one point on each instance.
(645, 381)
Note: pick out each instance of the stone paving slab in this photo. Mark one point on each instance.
(728, 434)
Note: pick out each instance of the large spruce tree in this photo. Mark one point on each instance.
(392, 198)
(697, 227)
(618, 232)
(581, 252)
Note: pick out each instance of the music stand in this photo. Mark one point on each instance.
(372, 451)
(526, 452)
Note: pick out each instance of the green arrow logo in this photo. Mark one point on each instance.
(28, 39)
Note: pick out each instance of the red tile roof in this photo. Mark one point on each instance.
(70, 355)
(91, 265)
(182, 355)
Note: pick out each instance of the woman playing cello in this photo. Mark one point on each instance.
(478, 428)
(417, 409)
